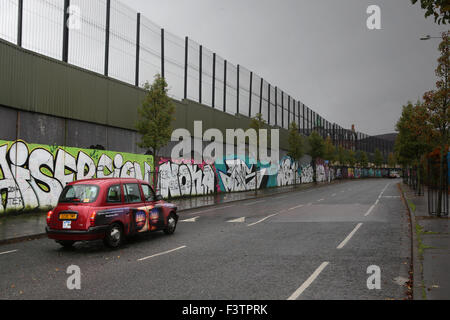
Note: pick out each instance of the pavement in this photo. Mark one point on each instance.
(28, 226)
(348, 240)
(431, 249)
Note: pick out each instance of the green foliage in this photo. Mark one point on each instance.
(378, 159)
(342, 156)
(392, 161)
(330, 150)
(257, 123)
(439, 9)
(316, 150)
(295, 143)
(351, 158)
(317, 146)
(155, 116)
(364, 160)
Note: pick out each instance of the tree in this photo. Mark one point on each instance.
(342, 156)
(436, 104)
(351, 158)
(257, 123)
(330, 150)
(378, 159)
(392, 161)
(295, 147)
(358, 156)
(155, 117)
(364, 160)
(316, 151)
(440, 9)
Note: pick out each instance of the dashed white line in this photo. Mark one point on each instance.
(297, 207)
(308, 282)
(334, 195)
(343, 243)
(162, 253)
(370, 210)
(12, 251)
(238, 220)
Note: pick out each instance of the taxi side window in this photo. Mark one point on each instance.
(132, 193)
(114, 194)
(149, 195)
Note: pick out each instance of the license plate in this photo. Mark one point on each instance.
(68, 216)
(67, 224)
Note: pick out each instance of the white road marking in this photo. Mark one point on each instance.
(320, 200)
(334, 195)
(377, 201)
(162, 253)
(343, 243)
(253, 203)
(264, 219)
(190, 220)
(308, 282)
(239, 220)
(12, 251)
(209, 210)
(370, 210)
(297, 207)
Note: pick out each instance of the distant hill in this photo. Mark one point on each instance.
(388, 136)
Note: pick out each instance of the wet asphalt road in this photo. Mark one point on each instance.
(310, 244)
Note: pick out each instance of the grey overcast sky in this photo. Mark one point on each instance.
(318, 51)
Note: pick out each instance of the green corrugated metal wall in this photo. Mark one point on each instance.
(32, 82)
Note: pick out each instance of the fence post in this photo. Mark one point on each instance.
(214, 82)
(225, 86)
(65, 52)
(250, 96)
(276, 106)
(107, 30)
(186, 57)
(138, 47)
(162, 54)
(268, 105)
(200, 74)
(289, 112)
(261, 96)
(237, 88)
(298, 116)
(19, 23)
(282, 109)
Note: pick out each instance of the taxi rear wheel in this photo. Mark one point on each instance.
(171, 224)
(114, 236)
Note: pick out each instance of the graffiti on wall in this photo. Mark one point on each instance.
(238, 174)
(33, 176)
(184, 178)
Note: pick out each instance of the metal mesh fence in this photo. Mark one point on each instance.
(150, 51)
(9, 19)
(107, 37)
